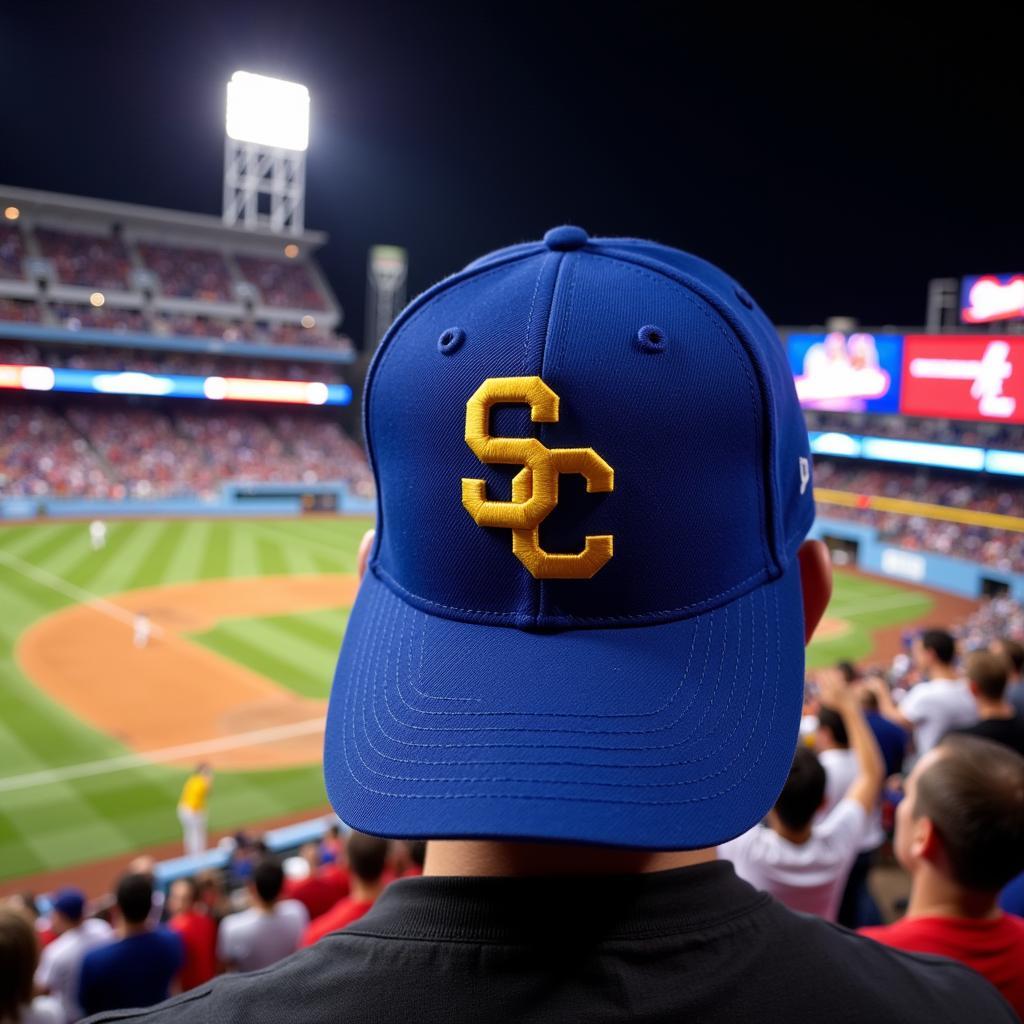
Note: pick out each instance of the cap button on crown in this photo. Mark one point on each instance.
(566, 238)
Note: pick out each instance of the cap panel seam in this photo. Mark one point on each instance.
(745, 360)
(430, 299)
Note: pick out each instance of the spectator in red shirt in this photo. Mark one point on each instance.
(322, 888)
(960, 834)
(367, 856)
(198, 933)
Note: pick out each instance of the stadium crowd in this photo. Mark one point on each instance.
(63, 957)
(12, 251)
(918, 763)
(188, 273)
(1002, 549)
(284, 285)
(103, 452)
(78, 316)
(20, 310)
(91, 261)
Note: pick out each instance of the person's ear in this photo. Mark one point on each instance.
(363, 558)
(815, 582)
(924, 840)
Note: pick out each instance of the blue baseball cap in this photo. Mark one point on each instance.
(582, 618)
(71, 903)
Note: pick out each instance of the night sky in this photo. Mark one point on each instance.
(833, 171)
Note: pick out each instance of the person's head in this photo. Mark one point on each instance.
(654, 547)
(143, 865)
(135, 897)
(267, 880)
(210, 888)
(367, 856)
(934, 649)
(849, 671)
(68, 908)
(19, 955)
(23, 903)
(1013, 652)
(803, 792)
(205, 769)
(310, 853)
(987, 675)
(962, 814)
(182, 896)
(831, 731)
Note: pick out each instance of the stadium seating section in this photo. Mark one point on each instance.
(286, 285)
(101, 451)
(1002, 549)
(76, 316)
(188, 273)
(91, 261)
(12, 251)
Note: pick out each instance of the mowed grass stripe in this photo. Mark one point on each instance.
(151, 566)
(120, 562)
(335, 552)
(214, 563)
(244, 641)
(270, 557)
(324, 629)
(77, 562)
(37, 548)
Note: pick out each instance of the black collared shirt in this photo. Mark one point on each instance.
(692, 945)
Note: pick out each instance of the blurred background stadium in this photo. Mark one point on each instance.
(186, 380)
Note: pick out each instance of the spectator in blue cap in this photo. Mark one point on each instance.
(61, 962)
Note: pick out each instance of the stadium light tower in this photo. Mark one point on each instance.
(267, 134)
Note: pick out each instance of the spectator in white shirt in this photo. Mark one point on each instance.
(932, 708)
(269, 930)
(802, 864)
(857, 908)
(61, 962)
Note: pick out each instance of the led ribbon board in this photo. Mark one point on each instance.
(221, 389)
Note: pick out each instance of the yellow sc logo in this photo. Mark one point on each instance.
(535, 486)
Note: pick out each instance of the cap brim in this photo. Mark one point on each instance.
(673, 736)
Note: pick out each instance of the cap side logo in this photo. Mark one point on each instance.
(535, 486)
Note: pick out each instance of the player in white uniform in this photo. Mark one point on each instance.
(97, 534)
(141, 630)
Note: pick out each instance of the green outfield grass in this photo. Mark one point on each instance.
(59, 823)
(866, 604)
(297, 651)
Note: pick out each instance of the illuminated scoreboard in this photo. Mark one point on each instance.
(961, 377)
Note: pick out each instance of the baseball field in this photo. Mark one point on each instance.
(97, 729)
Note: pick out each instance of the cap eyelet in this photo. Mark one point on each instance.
(744, 298)
(450, 340)
(651, 339)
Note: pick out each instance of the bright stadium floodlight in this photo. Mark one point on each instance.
(266, 137)
(268, 111)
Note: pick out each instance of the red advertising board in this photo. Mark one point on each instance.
(963, 377)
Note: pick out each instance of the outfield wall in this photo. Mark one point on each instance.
(955, 575)
(234, 500)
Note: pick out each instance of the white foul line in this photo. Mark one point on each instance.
(184, 750)
(76, 593)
